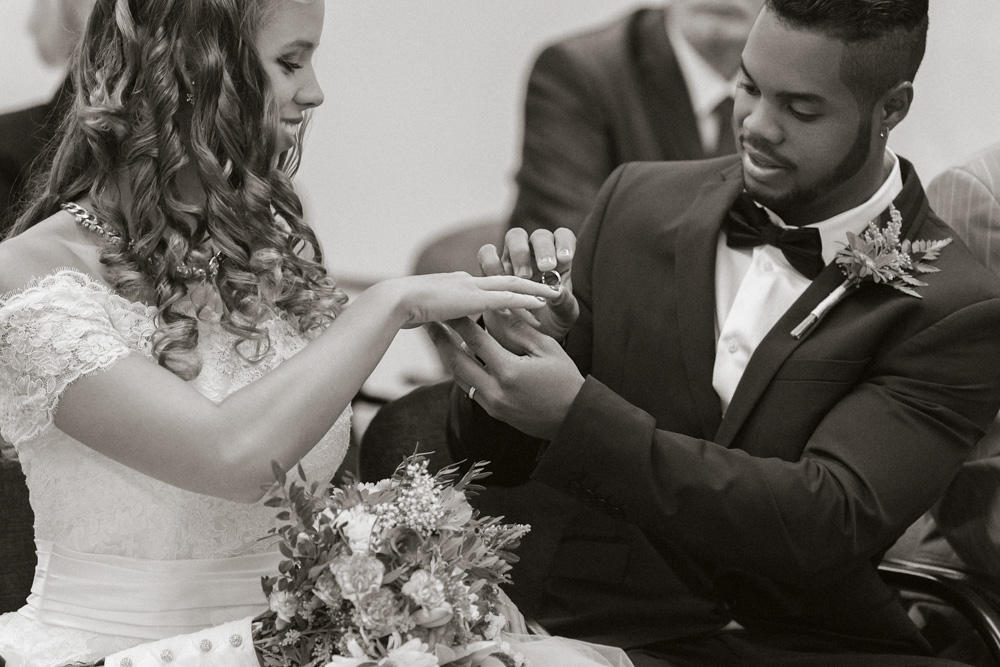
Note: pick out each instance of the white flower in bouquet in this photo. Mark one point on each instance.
(284, 604)
(427, 591)
(413, 653)
(494, 624)
(357, 524)
(327, 589)
(384, 613)
(357, 575)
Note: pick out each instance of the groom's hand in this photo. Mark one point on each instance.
(530, 388)
(533, 257)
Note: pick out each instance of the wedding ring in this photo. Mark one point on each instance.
(551, 278)
(472, 393)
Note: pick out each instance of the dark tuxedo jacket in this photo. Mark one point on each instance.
(595, 101)
(24, 134)
(776, 513)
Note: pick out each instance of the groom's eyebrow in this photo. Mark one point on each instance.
(787, 96)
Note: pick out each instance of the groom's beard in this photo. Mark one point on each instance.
(803, 196)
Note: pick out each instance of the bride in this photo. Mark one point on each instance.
(167, 327)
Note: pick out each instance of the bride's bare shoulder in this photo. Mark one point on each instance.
(52, 244)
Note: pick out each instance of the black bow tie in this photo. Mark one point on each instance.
(748, 226)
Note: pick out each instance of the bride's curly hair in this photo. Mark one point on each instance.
(132, 130)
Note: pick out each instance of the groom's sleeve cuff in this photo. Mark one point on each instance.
(602, 433)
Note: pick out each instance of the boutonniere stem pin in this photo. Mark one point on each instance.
(877, 256)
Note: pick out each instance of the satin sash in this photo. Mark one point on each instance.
(146, 599)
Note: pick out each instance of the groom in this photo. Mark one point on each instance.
(743, 482)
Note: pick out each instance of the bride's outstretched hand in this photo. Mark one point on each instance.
(438, 297)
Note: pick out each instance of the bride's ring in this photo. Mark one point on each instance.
(472, 393)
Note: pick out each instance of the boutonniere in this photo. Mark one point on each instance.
(878, 257)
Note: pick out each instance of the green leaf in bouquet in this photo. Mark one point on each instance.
(394, 574)
(316, 570)
(279, 473)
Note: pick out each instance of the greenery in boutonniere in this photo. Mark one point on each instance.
(878, 256)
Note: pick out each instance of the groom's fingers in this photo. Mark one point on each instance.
(498, 327)
(465, 368)
(543, 247)
(565, 241)
(564, 308)
(489, 261)
(508, 333)
(482, 344)
(517, 252)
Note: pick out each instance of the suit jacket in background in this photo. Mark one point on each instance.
(967, 197)
(595, 101)
(777, 513)
(24, 134)
(968, 515)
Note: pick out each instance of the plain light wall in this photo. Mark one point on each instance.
(421, 126)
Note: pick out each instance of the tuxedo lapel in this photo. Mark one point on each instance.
(778, 344)
(912, 201)
(695, 251)
(663, 91)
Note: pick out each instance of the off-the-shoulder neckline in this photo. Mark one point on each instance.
(86, 280)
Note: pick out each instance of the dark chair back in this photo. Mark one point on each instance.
(17, 537)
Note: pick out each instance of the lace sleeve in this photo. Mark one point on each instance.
(52, 333)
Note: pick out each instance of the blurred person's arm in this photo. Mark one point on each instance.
(968, 514)
(967, 198)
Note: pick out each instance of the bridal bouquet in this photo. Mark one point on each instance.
(401, 573)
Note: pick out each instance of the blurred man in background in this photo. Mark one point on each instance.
(56, 26)
(656, 84)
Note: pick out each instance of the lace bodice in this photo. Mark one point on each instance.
(67, 325)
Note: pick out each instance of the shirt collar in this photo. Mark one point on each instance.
(706, 87)
(833, 231)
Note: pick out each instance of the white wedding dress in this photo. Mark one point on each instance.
(123, 558)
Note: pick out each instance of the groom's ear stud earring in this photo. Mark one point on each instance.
(884, 133)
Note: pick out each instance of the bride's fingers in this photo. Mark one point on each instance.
(514, 291)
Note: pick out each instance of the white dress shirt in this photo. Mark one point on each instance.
(755, 286)
(706, 87)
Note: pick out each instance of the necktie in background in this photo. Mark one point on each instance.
(726, 143)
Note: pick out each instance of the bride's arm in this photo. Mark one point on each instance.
(149, 419)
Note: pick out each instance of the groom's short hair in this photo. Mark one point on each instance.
(887, 38)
